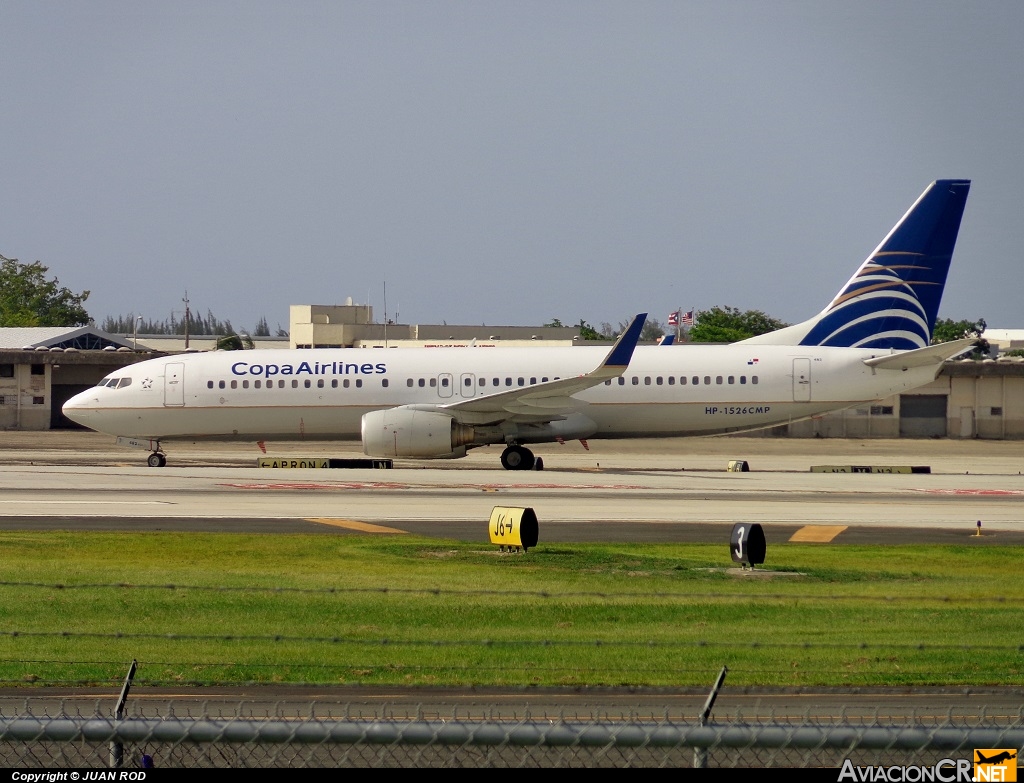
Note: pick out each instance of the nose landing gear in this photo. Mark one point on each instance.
(156, 460)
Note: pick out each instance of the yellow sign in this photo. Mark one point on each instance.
(995, 764)
(289, 462)
(513, 527)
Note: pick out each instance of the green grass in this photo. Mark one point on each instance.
(219, 608)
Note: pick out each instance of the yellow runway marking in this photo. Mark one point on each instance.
(351, 524)
(817, 534)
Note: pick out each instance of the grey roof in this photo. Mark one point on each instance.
(82, 337)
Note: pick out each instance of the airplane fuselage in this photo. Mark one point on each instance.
(323, 393)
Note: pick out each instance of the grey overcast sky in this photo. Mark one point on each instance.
(504, 162)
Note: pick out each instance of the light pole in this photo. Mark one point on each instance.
(135, 333)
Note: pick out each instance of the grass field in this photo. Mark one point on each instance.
(219, 608)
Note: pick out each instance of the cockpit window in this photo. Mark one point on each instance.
(115, 383)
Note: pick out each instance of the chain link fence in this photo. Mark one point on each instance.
(63, 735)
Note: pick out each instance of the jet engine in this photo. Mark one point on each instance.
(409, 432)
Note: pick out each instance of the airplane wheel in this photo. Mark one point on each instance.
(517, 458)
(156, 460)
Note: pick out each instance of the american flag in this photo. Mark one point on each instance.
(688, 318)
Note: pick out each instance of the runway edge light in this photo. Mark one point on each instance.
(747, 545)
(514, 528)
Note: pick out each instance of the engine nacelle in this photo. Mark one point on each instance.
(408, 432)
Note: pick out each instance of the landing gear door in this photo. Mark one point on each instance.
(801, 380)
(174, 384)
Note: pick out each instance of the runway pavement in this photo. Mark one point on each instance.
(670, 490)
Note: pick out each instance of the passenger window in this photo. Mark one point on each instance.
(508, 381)
(658, 380)
(636, 380)
(444, 382)
(307, 383)
(718, 379)
(647, 380)
(753, 379)
(359, 383)
(408, 382)
(743, 380)
(622, 381)
(695, 380)
(257, 384)
(234, 384)
(495, 382)
(608, 382)
(544, 380)
(707, 380)
(245, 384)
(468, 382)
(671, 380)
(533, 381)
(522, 381)
(732, 379)
(295, 383)
(280, 384)
(319, 383)
(209, 384)
(345, 382)
(433, 383)
(384, 382)
(334, 383)
(220, 384)
(421, 383)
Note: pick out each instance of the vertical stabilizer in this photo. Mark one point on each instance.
(893, 299)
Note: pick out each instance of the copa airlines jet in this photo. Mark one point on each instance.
(871, 341)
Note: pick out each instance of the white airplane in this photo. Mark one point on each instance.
(871, 341)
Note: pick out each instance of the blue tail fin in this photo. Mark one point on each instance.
(893, 299)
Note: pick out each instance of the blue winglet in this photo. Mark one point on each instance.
(622, 351)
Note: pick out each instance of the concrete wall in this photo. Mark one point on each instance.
(26, 395)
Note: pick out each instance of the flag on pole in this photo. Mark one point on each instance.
(687, 319)
(673, 318)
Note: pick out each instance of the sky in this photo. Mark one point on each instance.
(504, 163)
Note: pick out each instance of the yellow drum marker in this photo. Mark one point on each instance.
(817, 534)
(351, 524)
(513, 528)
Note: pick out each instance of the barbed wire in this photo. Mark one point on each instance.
(546, 594)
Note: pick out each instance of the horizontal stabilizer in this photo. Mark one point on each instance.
(921, 357)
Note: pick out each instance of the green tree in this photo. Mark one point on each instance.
(588, 332)
(946, 330)
(27, 298)
(730, 324)
(230, 342)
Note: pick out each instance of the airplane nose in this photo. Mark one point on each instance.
(78, 407)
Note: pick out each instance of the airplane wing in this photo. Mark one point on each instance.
(922, 357)
(544, 401)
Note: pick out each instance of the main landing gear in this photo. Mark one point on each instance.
(156, 460)
(516, 457)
